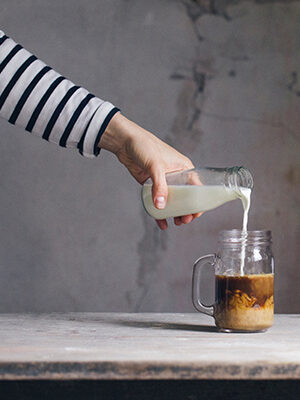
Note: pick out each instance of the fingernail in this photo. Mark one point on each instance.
(160, 202)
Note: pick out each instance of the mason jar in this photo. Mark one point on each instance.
(244, 281)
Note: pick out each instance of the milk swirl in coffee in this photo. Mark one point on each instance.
(244, 303)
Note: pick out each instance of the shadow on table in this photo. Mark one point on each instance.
(164, 325)
(123, 321)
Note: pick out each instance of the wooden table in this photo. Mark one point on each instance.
(113, 347)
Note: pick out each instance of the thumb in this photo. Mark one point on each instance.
(159, 188)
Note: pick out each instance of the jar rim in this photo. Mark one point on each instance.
(248, 237)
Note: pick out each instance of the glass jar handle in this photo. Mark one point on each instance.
(199, 264)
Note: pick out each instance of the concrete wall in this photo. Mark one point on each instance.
(220, 80)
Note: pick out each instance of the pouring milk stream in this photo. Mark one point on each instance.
(203, 189)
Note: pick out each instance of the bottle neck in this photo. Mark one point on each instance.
(238, 177)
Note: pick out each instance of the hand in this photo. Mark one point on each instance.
(145, 155)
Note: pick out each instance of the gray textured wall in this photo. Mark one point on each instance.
(220, 80)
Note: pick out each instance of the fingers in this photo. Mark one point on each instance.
(159, 188)
(186, 219)
(197, 215)
(160, 195)
(162, 223)
(177, 221)
(193, 178)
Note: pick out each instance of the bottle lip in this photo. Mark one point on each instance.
(237, 236)
(239, 177)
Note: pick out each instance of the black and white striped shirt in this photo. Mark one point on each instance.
(42, 101)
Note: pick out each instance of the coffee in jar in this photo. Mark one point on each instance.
(244, 302)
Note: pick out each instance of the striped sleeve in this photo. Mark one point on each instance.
(34, 96)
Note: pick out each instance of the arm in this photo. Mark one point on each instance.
(34, 96)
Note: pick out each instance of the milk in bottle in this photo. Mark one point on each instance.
(200, 189)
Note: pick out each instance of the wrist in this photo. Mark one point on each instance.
(116, 134)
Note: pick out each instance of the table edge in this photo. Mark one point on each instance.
(108, 370)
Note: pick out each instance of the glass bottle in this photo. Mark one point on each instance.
(199, 189)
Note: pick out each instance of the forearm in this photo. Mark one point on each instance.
(116, 134)
(119, 132)
(34, 96)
